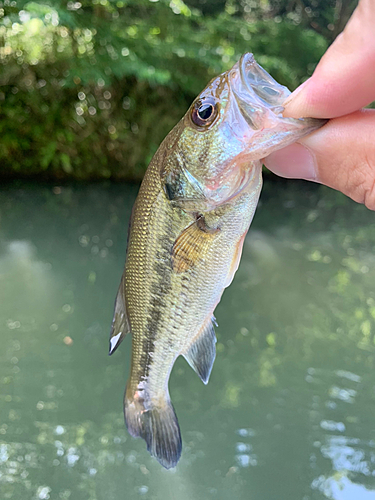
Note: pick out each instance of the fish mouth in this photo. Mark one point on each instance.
(258, 89)
(260, 100)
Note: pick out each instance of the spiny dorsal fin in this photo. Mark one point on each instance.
(202, 352)
(120, 322)
(191, 245)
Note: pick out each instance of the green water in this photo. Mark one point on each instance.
(289, 412)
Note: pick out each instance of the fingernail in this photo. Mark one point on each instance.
(293, 95)
(293, 162)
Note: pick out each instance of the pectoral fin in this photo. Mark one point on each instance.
(192, 244)
(120, 322)
(201, 353)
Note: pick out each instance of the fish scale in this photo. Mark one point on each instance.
(188, 225)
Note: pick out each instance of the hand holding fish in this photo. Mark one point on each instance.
(341, 154)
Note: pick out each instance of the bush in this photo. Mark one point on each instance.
(89, 89)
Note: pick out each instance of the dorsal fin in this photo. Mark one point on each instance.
(201, 353)
(191, 245)
(120, 322)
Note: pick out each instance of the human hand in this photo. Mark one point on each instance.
(342, 153)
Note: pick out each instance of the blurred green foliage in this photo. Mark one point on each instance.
(88, 89)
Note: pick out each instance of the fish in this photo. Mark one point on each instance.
(186, 234)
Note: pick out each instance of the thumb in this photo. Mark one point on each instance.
(340, 155)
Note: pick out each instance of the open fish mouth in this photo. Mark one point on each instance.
(260, 99)
(258, 88)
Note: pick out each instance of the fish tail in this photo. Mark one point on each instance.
(156, 424)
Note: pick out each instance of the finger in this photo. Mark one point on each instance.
(344, 80)
(340, 155)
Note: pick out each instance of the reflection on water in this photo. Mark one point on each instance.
(289, 410)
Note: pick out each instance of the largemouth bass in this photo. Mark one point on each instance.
(186, 233)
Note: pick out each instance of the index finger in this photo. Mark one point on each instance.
(344, 80)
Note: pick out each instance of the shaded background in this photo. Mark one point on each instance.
(83, 84)
(288, 413)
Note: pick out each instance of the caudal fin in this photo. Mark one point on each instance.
(158, 426)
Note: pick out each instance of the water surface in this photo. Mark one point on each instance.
(289, 412)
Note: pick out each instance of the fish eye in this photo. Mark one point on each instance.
(204, 112)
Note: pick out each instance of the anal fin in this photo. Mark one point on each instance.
(120, 323)
(201, 353)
